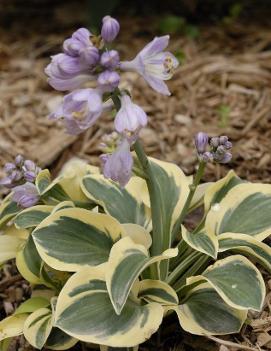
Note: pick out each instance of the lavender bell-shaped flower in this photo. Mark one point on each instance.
(118, 165)
(108, 81)
(110, 59)
(131, 117)
(67, 73)
(80, 110)
(71, 69)
(26, 195)
(110, 29)
(154, 64)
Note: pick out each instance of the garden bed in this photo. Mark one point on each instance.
(222, 87)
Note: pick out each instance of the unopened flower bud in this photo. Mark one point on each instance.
(19, 160)
(207, 157)
(110, 28)
(214, 142)
(201, 142)
(223, 139)
(110, 59)
(226, 157)
(228, 145)
(108, 80)
(90, 56)
(26, 195)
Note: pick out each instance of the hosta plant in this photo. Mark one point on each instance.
(107, 253)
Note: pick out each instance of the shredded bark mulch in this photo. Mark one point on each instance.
(222, 87)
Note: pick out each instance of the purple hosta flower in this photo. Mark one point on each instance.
(31, 170)
(110, 28)
(110, 59)
(67, 73)
(154, 64)
(201, 142)
(80, 110)
(108, 81)
(26, 195)
(130, 118)
(118, 165)
(77, 42)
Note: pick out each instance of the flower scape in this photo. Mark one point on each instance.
(106, 252)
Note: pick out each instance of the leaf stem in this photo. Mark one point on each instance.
(189, 199)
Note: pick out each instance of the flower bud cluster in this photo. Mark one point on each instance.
(215, 149)
(20, 177)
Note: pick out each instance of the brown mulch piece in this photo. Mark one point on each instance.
(222, 87)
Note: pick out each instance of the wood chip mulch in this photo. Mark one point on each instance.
(222, 87)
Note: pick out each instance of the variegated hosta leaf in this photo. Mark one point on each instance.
(58, 340)
(126, 262)
(237, 281)
(218, 190)
(173, 188)
(204, 312)
(244, 210)
(12, 326)
(51, 191)
(38, 326)
(116, 201)
(108, 348)
(72, 238)
(9, 246)
(157, 291)
(62, 205)
(84, 311)
(12, 231)
(8, 210)
(138, 234)
(199, 195)
(201, 241)
(32, 304)
(32, 216)
(29, 263)
(248, 246)
(67, 185)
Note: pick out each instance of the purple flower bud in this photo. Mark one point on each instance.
(220, 150)
(79, 110)
(228, 145)
(31, 170)
(78, 41)
(19, 160)
(154, 64)
(226, 157)
(110, 28)
(9, 167)
(130, 117)
(25, 195)
(118, 166)
(201, 142)
(223, 139)
(108, 80)
(7, 182)
(110, 59)
(89, 56)
(207, 157)
(214, 142)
